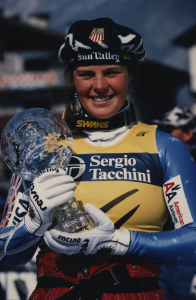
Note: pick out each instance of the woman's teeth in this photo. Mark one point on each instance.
(101, 99)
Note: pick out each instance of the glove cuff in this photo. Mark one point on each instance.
(124, 238)
(34, 228)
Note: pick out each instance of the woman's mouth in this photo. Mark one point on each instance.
(99, 99)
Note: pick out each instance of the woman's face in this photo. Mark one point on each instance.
(102, 89)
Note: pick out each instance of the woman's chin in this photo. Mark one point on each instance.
(99, 112)
(104, 112)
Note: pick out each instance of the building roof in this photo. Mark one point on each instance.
(187, 39)
(19, 36)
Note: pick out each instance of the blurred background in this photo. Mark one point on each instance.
(30, 75)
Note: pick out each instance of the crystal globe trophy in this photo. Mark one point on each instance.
(37, 139)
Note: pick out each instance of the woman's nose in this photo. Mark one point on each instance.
(100, 85)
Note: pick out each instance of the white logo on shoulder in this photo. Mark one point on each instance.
(176, 202)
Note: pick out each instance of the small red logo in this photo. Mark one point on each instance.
(31, 213)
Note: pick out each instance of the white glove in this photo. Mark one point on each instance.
(102, 239)
(49, 190)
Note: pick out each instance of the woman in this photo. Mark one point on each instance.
(128, 176)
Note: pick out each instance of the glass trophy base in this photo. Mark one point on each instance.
(71, 219)
(78, 222)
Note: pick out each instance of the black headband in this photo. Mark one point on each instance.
(101, 42)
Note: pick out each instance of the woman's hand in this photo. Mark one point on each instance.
(102, 239)
(50, 189)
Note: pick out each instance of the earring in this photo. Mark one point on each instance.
(75, 98)
(77, 105)
(74, 101)
(129, 87)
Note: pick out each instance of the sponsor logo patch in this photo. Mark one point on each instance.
(20, 209)
(69, 240)
(113, 166)
(97, 35)
(99, 55)
(84, 246)
(31, 213)
(92, 124)
(35, 196)
(141, 133)
(176, 202)
(76, 167)
(48, 170)
(127, 56)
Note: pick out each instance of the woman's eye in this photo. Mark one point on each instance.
(86, 75)
(113, 73)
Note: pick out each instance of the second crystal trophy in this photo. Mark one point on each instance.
(37, 139)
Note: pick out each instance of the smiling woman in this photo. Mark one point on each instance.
(127, 174)
(101, 89)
